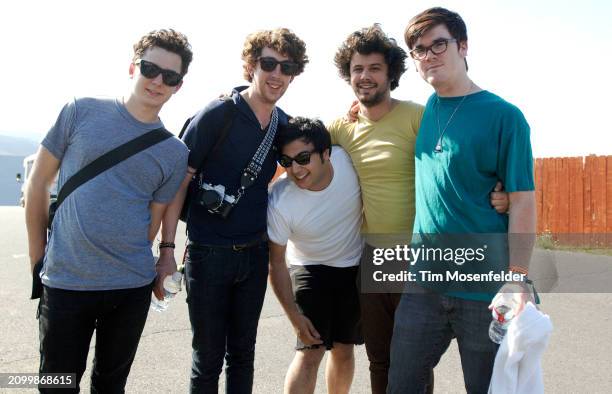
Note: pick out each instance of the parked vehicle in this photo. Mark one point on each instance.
(28, 163)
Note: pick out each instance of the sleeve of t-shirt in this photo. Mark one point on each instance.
(336, 128)
(515, 163)
(59, 136)
(165, 193)
(416, 119)
(278, 226)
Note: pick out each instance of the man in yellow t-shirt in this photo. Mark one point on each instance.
(381, 146)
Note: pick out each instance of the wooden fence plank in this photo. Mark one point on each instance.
(576, 201)
(598, 195)
(609, 201)
(549, 194)
(588, 218)
(539, 194)
(563, 200)
(609, 194)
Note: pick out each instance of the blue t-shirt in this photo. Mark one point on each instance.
(487, 140)
(224, 166)
(99, 239)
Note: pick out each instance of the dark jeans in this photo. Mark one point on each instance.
(225, 294)
(67, 321)
(425, 324)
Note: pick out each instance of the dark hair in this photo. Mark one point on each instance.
(305, 129)
(281, 40)
(371, 40)
(169, 40)
(432, 17)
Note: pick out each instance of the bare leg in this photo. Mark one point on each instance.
(302, 374)
(340, 368)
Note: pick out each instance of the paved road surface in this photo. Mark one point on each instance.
(578, 358)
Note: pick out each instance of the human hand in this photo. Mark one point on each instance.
(306, 331)
(165, 265)
(351, 115)
(499, 199)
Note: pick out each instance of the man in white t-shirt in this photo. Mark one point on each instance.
(314, 221)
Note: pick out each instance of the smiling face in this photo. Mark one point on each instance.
(152, 93)
(269, 86)
(446, 68)
(369, 78)
(314, 176)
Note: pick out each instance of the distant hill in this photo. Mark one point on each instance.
(16, 146)
(10, 190)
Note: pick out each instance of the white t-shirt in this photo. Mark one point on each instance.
(319, 227)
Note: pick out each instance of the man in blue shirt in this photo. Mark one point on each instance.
(226, 266)
(468, 139)
(98, 267)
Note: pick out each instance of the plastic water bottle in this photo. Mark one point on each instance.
(503, 311)
(172, 285)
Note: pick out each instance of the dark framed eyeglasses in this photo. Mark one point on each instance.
(268, 64)
(437, 48)
(152, 70)
(302, 158)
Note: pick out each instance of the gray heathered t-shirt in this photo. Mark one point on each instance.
(99, 239)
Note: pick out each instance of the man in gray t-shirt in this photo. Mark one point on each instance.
(98, 269)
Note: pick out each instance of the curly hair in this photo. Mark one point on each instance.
(367, 41)
(167, 39)
(281, 40)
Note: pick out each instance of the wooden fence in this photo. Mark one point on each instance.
(574, 195)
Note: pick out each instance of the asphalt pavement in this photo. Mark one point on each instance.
(578, 358)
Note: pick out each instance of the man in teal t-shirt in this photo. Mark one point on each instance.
(468, 139)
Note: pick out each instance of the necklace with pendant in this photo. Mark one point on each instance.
(438, 148)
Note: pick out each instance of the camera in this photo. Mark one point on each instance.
(214, 199)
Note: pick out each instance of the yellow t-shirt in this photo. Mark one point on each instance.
(383, 155)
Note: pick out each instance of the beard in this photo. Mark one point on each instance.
(374, 99)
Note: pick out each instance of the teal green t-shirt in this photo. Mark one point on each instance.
(487, 139)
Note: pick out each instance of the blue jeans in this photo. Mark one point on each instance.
(425, 324)
(67, 321)
(225, 294)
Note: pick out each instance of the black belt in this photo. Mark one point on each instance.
(235, 247)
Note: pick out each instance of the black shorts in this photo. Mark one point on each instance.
(329, 297)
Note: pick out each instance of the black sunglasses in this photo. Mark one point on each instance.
(268, 64)
(152, 70)
(302, 158)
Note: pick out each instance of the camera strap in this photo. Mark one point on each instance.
(250, 173)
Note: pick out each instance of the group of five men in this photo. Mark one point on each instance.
(390, 160)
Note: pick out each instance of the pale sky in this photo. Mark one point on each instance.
(553, 59)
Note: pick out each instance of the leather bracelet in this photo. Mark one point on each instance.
(166, 245)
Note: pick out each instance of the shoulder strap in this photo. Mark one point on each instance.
(228, 117)
(111, 159)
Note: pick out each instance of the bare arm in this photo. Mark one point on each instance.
(157, 213)
(37, 202)
(521, 240)
(522, 228)
(166, 265)
(281, 284)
